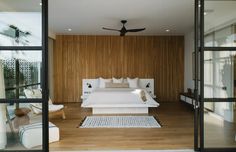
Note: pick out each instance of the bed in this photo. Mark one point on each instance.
(119, 100)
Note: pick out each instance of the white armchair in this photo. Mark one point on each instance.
(37, 107)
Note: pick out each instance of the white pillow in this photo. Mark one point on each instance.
(117, 80)
(102, 82)
(133, 83)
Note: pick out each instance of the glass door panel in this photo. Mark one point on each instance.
(20, 132)
(220, 125)
(20, 23)
(22, 70)
(219, 74)
(219, 23)
(217, 39)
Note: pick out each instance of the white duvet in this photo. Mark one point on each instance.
(118, 97)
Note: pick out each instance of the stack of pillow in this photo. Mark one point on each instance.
(118, 83)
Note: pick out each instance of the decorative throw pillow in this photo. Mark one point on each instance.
(33, 93)
(114, 80)
(133, 83)
(102, 82)
(37, 93)
(117, 85)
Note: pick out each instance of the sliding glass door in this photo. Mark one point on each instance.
(23, 69)
(215, 43)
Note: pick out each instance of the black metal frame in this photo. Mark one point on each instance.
(199, 111)
(44, 77)
(196, 114)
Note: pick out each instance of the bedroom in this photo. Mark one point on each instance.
(109, 63)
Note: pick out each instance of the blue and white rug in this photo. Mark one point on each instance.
(120, 122)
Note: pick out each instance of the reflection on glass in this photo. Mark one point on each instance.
(20, 23)
(219, 125)
(16, 128)
(21, 71)
(220, 23)
(219, 74)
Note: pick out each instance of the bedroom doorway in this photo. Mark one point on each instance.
(215, 48)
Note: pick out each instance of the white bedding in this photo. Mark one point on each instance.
(118, 97)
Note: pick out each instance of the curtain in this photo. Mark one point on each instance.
(3, 135)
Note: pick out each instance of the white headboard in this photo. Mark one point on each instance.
(90, 84)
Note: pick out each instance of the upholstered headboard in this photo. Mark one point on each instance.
(90, 84)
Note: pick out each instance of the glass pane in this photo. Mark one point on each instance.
(22, 73)
(219, 125)
(20, 23)
(20, 127)
(219, 74)
(220, 23)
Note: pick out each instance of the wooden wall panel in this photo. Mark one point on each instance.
(80, 57)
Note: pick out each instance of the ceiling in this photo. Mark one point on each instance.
(87, 17)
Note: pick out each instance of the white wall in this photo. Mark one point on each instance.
(189, 49)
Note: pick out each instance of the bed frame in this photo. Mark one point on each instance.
(121, 110)
(90, 84)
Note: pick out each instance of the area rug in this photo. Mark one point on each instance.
(120, 122)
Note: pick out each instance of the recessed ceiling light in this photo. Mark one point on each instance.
(69, 29)
(199, 5)
(167, 30)
(40, 4)
(205, 13)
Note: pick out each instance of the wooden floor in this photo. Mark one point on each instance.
(218, 133)
(176, 133)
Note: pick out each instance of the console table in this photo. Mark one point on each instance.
(187, 98)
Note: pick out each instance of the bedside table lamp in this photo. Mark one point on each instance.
(148, 85)
(89, 85)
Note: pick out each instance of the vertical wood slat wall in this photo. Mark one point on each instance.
(79, 57)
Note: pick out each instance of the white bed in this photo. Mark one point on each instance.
(118, 101)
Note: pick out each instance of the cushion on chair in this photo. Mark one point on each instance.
(31, 135)
(33, 93)
(36, 107)
(53, 108)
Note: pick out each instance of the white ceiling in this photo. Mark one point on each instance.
(89, 16)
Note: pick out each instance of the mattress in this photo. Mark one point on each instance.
(118, 97)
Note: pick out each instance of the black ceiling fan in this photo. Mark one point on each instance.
(123, 30)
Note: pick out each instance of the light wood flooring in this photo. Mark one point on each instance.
(176, 133)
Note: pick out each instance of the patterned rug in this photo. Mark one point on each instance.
(120, 122)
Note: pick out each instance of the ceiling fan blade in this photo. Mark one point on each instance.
(110, 29)
(136, 30)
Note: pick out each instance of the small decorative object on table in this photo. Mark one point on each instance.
(189, 91)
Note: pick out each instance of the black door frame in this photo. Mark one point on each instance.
(199, 94)
(44, 77)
